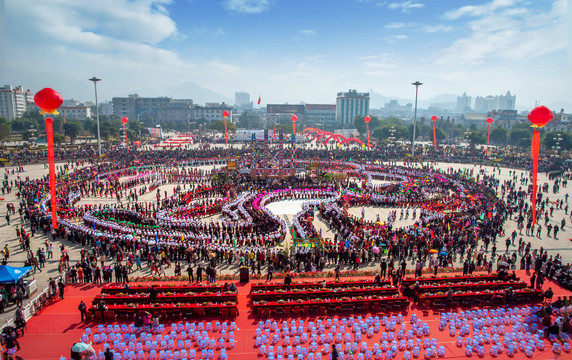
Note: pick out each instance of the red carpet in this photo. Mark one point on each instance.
(51, 333)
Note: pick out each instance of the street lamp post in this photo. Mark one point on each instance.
(95, 80)
(416, 84)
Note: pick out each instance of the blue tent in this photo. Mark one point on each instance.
(10, 274)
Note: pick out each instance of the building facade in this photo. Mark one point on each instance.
(78, 112)
(392, 108)
(125, 106)
(106, 108)
(14, 101)
(320, 114)
(210, 112)
(349, 105)
(489, 103)
(463, 104)
(242, 100)
(282, 113)
(177, 110)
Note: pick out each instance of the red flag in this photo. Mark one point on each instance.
(258, 99)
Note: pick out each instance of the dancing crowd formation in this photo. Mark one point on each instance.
(216, 220)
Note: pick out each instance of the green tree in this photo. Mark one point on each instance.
(517, 134)
(138, 128)
(4, 128)
(550, 139)
(90, 126)
(440, 134)
(476, 137)
(72, 129)
(359, 124)
(22, 124)
(219, 125)
(498, 135)
(248, 120)
(59, 138)
(109, 129)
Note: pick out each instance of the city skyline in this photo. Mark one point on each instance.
(290, 51)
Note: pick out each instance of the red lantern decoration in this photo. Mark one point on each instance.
(489, 122)
(434, 119)
(539, 117)
(225, 114)
(48, 100)
(367, 119)
(124, 120)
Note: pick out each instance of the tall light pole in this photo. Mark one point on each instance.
(95, 80)
(416, 84)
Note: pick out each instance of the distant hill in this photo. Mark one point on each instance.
(199, 94)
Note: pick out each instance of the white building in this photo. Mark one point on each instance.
(242, 100)
(106, 108)
(79, 112)
(210, 112)
(490, 103)
(463, 103)
(349, 105)
(13, 101)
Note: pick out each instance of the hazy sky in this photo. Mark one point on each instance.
(290, 50)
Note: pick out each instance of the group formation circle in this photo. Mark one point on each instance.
(449, 204)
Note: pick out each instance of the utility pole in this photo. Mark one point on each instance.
(416, 84)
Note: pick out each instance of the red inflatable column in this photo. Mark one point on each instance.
(434, 120)
(539, 117)
(52, 170)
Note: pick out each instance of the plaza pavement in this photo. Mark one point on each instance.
(561, 245)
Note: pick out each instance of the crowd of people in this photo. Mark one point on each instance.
(208, 226)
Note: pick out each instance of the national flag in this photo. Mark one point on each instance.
(258, 99)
